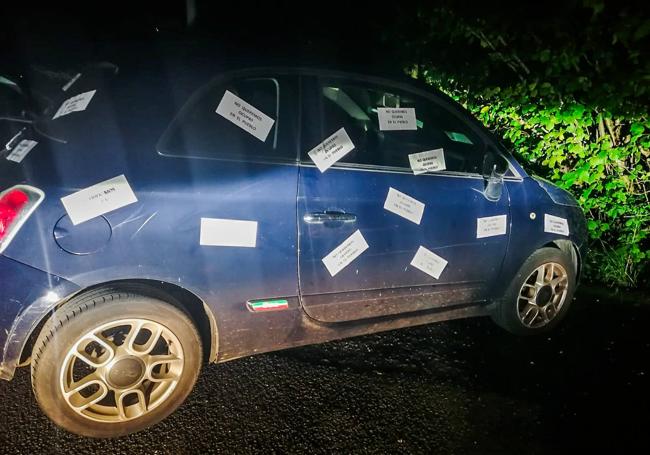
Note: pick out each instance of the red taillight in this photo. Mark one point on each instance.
(11, 204)
(16, 206)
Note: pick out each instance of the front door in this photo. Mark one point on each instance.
(376, 239)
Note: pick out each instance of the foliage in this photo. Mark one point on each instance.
(569, 94)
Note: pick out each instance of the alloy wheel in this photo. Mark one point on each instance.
(542, 295)
(121, 370)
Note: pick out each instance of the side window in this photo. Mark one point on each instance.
(354, 106)
(200, 131)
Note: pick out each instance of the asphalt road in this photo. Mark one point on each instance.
(453, 387)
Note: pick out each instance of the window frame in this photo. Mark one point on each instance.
(313, 84)
(280, 78)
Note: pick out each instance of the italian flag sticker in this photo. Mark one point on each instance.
(268, 305)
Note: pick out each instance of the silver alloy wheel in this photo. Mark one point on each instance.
(121, 370)
(542, 295)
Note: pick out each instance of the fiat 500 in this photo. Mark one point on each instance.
(150, 225)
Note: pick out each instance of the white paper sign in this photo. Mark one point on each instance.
(98, 199)
(332, 149)
(491, 226)
(404, 205)
(429, 262)
(70, 82)
(555, 224)
(396, 118)
(224, 232)
(431, 160)
(75, 104)
(245, 116)
(345, 253)
(21, 150)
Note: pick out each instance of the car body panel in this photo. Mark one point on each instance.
(529, 205)
(448, 229)
(157, 238)
(26, 296)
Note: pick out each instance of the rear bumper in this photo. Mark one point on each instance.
(26, 296)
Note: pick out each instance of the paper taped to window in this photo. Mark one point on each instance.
(429, 161)
(75, 104)
(332, 149)
(245, 116)
(396, 118)
(21, 150)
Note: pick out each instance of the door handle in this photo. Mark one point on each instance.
(329, 216)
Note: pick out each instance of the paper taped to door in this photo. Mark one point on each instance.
(226, 232)
(345, 253)
(429, 262)
(245, 116)
(404, 205)
(490, 226)
(556, 225)
(98, 199)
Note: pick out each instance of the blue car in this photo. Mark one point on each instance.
(150, 225)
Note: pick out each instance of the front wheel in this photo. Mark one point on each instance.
(540, 294)
(113, 363)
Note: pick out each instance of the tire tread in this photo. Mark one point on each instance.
(504, 313)
(70, 310)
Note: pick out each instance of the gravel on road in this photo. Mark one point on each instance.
(455, 387)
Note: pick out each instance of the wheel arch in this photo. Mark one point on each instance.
(571, 249)
(173, 294)
(512, 264)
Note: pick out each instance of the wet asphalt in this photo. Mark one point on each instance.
(454, 387)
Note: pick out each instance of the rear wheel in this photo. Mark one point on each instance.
(540, 294)
(113, 363)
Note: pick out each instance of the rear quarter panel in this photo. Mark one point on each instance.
(156, 238)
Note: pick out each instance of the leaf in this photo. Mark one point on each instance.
(642, 31)
(636, 129)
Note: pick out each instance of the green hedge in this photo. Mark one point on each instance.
(571, 98)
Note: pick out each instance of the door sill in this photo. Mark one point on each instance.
(359, 305)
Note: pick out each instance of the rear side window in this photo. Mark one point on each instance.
(354, 106)
(199, 131)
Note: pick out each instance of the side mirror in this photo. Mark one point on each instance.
(494, 164)
(495, 167)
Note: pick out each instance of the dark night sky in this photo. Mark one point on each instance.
(350, 34)
(255, 32)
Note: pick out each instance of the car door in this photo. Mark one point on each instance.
(376, 239)
(232, 153)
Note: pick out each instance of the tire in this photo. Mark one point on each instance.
(515, 311)
(131, 386)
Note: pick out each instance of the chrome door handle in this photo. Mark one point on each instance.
(329, 216)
